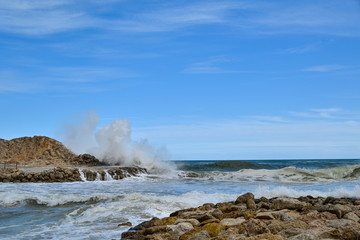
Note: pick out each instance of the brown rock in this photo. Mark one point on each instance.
(230, 222)
(265, 216)
(213, 228)
(243, 198)
(250, 204)
(256, 227)
(287, 203)
(164, 221)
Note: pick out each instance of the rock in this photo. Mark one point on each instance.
(340, 223)
(287, 203)
(351, 216)
(290, 232)
(276, 226)
(315, 215)
(250, 204)
(338, 209)
(289, 216)
(230, 222)
(164, 221)
(243, 198)
(203, 235)
(180, 229)
(330, 233)
(213, 229)
(351, 233)
(193, 222)
(145, 224)
(265, 216)
(85, 160)
(203, 217)
(37, 151)
(209, 221)
(304, 236)
(231, 232)
(255, 227)
(129, 224)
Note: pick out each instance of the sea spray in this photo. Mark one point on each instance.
(112, 144)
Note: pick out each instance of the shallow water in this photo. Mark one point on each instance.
(93, 210)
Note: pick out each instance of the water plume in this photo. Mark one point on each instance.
(112, 144)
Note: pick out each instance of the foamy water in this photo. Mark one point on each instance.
(93, 210)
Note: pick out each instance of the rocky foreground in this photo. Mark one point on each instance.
(304, 218)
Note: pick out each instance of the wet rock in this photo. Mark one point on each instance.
(129, 224)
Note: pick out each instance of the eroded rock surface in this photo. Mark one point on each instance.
(275, 219)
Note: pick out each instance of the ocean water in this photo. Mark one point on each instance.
(93, 210)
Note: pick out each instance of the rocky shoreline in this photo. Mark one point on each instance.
(69, 174)
(304, 218)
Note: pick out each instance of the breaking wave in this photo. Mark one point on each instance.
(287, 174)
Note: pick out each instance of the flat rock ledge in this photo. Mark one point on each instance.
(304, 218)
(68, 174)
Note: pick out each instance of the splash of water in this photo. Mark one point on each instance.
(113, 145)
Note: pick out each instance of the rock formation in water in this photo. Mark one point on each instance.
(304, 218)
(68, 174)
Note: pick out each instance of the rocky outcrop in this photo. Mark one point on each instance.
(252, 219)
(40, 151)
(50, 175)
(85, 160)
(69, 174)
(35, 152)
(114, 173)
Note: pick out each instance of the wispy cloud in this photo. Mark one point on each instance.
(329, 113)
(42, 17)
(170, 19)
(305, 48)
(211, 66)
(325, 68)
(75, 79)
(309, 17)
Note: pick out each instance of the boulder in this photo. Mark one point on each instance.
(243, 198)
(287, 203)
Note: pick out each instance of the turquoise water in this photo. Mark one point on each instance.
(93, 210)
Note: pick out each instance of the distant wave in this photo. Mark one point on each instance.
(287, 174)
(229, 166)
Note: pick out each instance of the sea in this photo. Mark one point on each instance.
(96, 210)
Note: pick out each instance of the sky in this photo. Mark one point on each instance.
(206, 79)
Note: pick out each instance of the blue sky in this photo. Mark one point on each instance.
(207, 79)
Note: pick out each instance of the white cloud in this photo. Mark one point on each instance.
(321, 113)
(42, 17)
(309, 17)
